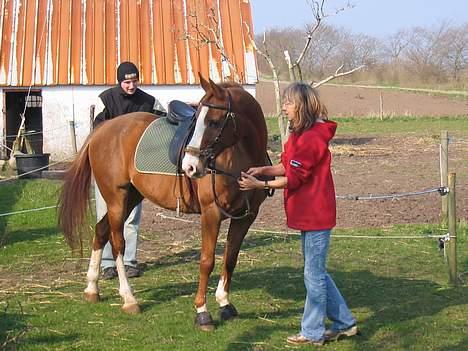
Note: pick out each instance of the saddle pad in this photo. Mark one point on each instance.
(152, 155)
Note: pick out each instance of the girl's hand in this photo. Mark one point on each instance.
(248, 182)
(255, 171)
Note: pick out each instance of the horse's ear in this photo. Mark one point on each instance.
(204, 83)
(217, 90)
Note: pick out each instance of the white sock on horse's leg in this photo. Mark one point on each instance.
(222, 297)
(93, 272)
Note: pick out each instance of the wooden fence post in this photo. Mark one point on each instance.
(91, 117)
(381, 113)
(452, 229)
(443, 157)
(73, 136)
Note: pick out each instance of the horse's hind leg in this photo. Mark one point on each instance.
(101, 237)
(238, 228)
(117, 216)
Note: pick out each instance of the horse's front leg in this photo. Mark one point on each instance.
(238, 228)
(210, 223)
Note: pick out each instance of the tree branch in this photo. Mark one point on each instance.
(336, 75)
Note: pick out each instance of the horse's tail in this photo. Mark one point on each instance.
(74, 199)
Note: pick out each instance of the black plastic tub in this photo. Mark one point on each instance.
(31, 165)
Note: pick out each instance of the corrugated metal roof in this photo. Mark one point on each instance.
(53, 42)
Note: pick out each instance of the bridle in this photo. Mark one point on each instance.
(208, 154)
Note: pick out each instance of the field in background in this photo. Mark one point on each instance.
(347, 101)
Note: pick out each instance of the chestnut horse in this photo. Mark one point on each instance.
(230, 136)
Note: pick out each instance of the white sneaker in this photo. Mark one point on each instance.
(331, 335)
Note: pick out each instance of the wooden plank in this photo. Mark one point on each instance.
(41, 42)
(64, 44)
(133, 32)
(247, 23)
(158, 43)
(76, 35)
(89, 42)
(54, 40)
(123, 30)
(226, 31)
(214, 23)
(181, 43)
(99, 42)
(20, 38)
(7, 24)
(169, 45)
(237, 39)
(203, 33)
(111, 58)
(192, 41)
(145, 39)
(30, 33)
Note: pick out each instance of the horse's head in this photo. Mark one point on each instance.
(215, 129)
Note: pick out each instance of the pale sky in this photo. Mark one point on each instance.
(373, 17)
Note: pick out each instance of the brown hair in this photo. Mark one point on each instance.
(308, 106)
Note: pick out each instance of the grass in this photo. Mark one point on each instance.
(397, 289)
(422, 126)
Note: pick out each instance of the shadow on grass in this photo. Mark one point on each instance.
(391, 300)
(9, 238)
(10, 193)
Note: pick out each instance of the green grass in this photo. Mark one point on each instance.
(397, 289)
(421, 126)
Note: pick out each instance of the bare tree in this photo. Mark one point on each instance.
(294, 66)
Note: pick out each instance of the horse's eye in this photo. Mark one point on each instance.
(213, 124)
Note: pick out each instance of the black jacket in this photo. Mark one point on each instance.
(117, 103)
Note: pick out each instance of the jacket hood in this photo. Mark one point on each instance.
(326, 130)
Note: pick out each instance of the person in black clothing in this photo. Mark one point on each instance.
(124, 98)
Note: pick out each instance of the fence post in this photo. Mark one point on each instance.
(452, 229)
(381, 113)
(73, 136)
(91, 117)
(443, 157)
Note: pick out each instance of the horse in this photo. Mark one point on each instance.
(229, 136)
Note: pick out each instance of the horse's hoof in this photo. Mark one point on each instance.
(228, 312)
(92, 297)
(132, 308)
(204, 322)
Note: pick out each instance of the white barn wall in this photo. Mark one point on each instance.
(62, 104)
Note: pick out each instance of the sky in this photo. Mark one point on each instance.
(377, 18)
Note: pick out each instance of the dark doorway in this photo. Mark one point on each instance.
(15, 102)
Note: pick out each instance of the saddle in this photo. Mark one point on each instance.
(182, 115)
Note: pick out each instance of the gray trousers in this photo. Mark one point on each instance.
(131, 228)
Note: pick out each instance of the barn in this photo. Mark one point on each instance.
(56, 56)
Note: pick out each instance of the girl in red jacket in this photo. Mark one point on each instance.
(310, 205)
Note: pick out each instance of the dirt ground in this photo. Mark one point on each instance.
(361, 167)
(356, 101)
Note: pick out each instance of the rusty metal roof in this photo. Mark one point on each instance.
(81, 42)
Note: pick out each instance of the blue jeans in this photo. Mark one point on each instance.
(131, 228)
(323, 297)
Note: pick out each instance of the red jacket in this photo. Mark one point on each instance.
(309, 199)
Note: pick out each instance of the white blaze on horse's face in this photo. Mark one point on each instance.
(191, 164)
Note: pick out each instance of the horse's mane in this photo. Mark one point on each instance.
(230, 85)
